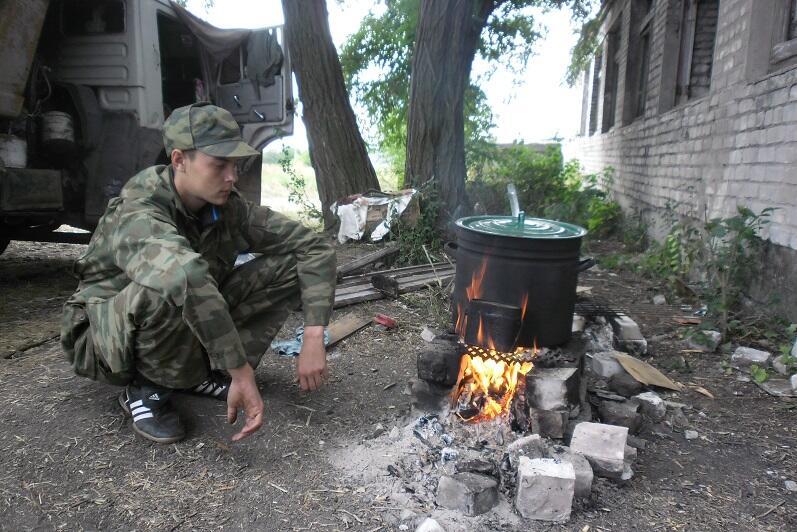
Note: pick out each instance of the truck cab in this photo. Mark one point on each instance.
(87, 85)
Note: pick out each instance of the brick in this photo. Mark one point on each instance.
(545, 489)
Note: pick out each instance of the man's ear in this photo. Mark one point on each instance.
(178, 160)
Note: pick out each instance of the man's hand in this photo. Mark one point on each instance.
(243, 394)
(311, 368)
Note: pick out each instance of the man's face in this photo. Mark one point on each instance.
(208, 179)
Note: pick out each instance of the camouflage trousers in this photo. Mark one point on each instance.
(138, 333)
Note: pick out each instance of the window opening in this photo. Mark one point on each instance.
(92, 17)
(699, 32)
(596, 87)
(638, 60)
(181, 73)
(793, 20)
(612, 74)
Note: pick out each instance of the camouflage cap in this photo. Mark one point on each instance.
(207, 128)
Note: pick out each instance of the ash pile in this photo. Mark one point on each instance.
(574, 417)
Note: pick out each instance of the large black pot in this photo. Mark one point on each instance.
(531, 260)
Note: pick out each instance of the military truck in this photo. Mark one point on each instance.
(86, 86)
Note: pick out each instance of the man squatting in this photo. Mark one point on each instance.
(159, 306)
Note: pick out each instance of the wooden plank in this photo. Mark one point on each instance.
(345, 327)
(398, 272)
(365, 260)
(357, 297)
(369, 283)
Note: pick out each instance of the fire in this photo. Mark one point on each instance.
(487, 383)
(488, 379)
(474, 291)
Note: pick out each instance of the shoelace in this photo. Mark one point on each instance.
(210, 388)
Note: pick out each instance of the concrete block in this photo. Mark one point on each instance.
(439, 363)
(603, 445)
(630, 454)
(604, 364)
(706, 341)
(744, 357)
(628, 335)
(469, 493)
(581, 468)
(549, 423)
(624, 384)
(652, 406)
(531, 445)
(553, 388)
(482, 467)
(429, 525)
(780, 366)
(578, 323)
(545, 489)
(624, 414)
(793, 382)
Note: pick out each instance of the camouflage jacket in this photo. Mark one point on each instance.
(149, 237)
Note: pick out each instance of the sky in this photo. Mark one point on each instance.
(532, 107)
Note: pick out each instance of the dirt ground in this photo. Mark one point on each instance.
(69, 460)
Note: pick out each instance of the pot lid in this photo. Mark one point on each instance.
(531, 227)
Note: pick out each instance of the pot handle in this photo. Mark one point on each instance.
(586, 264)
(450, 247)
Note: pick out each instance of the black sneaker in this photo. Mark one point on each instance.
(153, 415)
(216, 387)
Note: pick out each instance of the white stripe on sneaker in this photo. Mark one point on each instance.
(139, 410)
(217, 391)
(142, 416)
(136, 404)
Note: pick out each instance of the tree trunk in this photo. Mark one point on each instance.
(445, 45)
(337, 150)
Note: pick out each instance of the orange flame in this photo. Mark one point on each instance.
(524, 303)
(488, 383)
(474, 291)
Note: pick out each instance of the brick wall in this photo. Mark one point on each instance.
(736, 145)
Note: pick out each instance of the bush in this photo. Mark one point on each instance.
(546, 187)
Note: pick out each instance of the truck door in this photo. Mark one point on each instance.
(255, 85)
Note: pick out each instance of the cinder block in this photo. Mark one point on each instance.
(469, 493)
(603, 445)
(545, 489)
(553, 388)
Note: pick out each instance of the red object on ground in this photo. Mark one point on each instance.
(386, 321)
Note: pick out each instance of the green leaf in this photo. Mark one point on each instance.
(758, 374)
